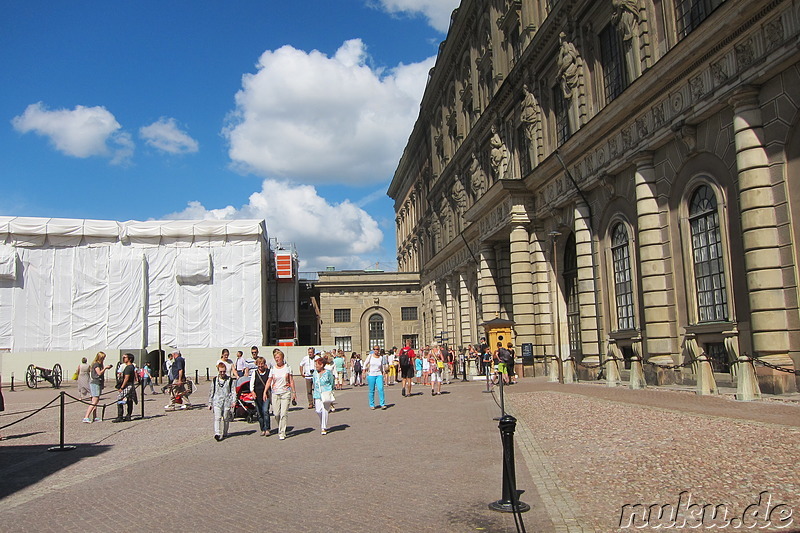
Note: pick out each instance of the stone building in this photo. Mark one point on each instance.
(618, 177)
(362, 308)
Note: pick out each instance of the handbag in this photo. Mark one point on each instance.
(75, 376)
(327, 396)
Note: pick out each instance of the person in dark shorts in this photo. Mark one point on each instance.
(406, 358)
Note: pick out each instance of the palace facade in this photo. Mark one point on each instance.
(621, 178)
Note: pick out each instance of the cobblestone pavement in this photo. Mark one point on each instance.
(595, 449)
(427, 463)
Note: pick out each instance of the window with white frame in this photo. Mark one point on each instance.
(707, 256)
(376, 331)
(623, 284)
(344, 343)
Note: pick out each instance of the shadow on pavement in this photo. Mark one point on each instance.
(22, 466)
(21, 435)
(241, 433)
(340, 427)
(292, 432)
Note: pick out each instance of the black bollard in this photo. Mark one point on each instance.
(142, 399)
(12, 382)
(510, 502)
(196, 379)
(61, 447)
(464, 368)
(207, 378)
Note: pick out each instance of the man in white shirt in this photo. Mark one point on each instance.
(306, 366)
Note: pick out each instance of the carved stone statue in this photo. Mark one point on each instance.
(459, 196)
(498, 155)
(478, 181)
(626, 17)
(568, 66)
(529, 116)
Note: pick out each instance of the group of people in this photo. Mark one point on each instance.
(273, 385)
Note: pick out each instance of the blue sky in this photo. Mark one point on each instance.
(296, 112)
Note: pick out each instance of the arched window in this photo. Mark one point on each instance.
(709, 267)
(571, 295)
(376, 331)
(623, 286)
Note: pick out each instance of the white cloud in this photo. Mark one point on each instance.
(324, 233)
(165, 135)
(317, 119)
(436, 11)
(80, 132)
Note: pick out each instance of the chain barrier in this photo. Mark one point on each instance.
(598, 365)
(773, 367)
(675, 367)
(39, 410)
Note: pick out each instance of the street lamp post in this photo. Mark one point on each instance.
(554, 235)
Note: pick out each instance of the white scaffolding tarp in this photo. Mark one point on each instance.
(85, 284)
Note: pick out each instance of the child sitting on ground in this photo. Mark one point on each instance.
(222, 400)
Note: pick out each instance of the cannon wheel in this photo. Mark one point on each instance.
(30, 377)
(57, 375)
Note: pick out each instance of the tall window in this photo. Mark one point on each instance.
(571, 290)
(709, 268)
(561, 109)
(408, 313)
(690, 13)
(376, 331)
(623, 286)
(344, 343)
(341, 315)
(615, 77)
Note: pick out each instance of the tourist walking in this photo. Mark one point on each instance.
(2, 407)
(126, 393)
(225, 359)
(96, 382)
(323, 393)
(258, 386)
(338, 370)
(435, 372)
(222, 400)
(83, 378)
(147, 378)
(373, 368)
(406, 360)
(356, 368)
(281, 386)
(306, 367)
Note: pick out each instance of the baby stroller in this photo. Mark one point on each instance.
(245, 401)
(179, 395)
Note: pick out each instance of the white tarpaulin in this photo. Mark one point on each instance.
(81, 284)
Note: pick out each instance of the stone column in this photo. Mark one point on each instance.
(452, 328)
(543, 309)
(762, 260)
(522, 284)
(654, 263)
(590, 343)
(487, 285)
(503, 260)
(439, 309)
(464, 308)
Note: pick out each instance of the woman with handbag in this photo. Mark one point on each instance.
(322, 392)
(82, 377)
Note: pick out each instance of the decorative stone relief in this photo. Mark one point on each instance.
(626, 17)
(459, 196)
(719, 71)
(745, 54)
(641, 126)
(697, 87)
(658, 115)
(676, 100)
(773, 31)
(626, 138)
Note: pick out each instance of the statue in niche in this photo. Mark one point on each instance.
(498, 155)
(568, 66)
(459, 196)
(529, 116)
(478, 181)
(626, 17)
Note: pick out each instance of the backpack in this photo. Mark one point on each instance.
(404, 359)
(357, 366)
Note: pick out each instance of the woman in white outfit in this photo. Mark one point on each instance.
(323, 392)
(281, 384)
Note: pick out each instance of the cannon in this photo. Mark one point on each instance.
(36, 374)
